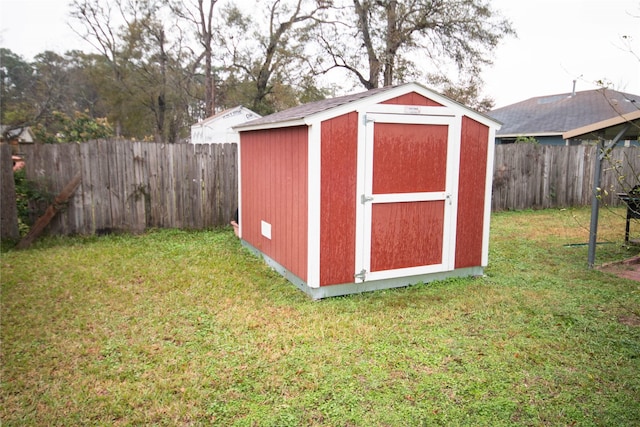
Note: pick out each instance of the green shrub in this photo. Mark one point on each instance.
(30, 198)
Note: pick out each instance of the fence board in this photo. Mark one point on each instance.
(195, 200)
(141, 188)
(86, 191)
(103, 207)
(8, 209)
(231, 202)
(57, 224)
(203, 158)
(207, 168)
(154, 183)
(182, 187)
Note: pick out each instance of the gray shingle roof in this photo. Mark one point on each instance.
(305, 110)
(556, 114)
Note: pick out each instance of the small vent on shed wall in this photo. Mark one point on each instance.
(265, 228)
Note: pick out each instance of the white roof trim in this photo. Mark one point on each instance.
(594, 127)
(220, 116)
(285, 124)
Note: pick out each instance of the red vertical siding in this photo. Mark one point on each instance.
(409, 158)
(406, 234)
(412, 99)
(471, 193)
(337, 199)
(274, 189)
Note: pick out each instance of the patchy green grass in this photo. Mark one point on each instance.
(187, 328)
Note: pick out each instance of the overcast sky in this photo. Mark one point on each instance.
(558, 41)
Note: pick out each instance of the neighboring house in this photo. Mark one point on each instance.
(374, 190)
(17, 136)
(547, 118)
(218, 129)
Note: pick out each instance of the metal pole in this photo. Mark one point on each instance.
(595, 203)
(595, 200)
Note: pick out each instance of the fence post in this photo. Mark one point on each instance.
(8, 207)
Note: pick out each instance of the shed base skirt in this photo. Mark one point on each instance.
(367, 286)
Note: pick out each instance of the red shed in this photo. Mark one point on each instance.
(375, 190)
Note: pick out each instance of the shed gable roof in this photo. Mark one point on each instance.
(555, 114)
(304, 112)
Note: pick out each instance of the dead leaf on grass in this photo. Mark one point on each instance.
(630, 320)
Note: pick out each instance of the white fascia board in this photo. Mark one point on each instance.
(285, 124)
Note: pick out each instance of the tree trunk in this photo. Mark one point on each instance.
(51, 211)
(209, 104)
(392, 36)
(362, 10)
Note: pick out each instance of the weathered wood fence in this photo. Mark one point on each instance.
(535, 176)
(135, 185)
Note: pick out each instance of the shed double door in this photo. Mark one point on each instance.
(408, 172)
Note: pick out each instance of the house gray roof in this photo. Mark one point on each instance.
(556, 114)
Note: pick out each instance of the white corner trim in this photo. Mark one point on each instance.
(487, 196)
(314, 152)
(239, 190)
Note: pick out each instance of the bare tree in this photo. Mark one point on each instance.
(411, 38)
(145, 51)
(264, 51)
(199, 15)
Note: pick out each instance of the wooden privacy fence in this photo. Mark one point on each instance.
(134, 185)
(535, 176)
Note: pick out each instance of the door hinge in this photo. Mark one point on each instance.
(364, 199)
(366, 118)
(362, 275)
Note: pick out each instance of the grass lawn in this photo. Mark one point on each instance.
(187, 328)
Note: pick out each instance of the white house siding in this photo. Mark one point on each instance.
(218, 129)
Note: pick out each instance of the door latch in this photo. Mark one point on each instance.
(362, 275)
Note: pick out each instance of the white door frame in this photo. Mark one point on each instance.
(365, 199)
